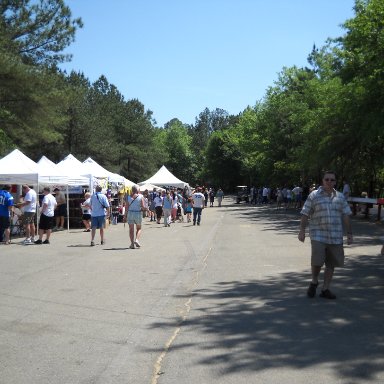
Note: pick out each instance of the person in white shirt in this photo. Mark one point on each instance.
(346, 190)
(29, 211)
(159, 206)
(265, 195)
(86, 211)
(198, 201)
(47, 216)
(298, 193)
(175, 201)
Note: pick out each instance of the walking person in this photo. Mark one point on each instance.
(145, 211)
(61, 209)
(279, 198)
(159, 206)
(327, 210)
(167, 209)
(198, 202)
(289, 198)
(175, 202)
(265, 195)
(298, 193)
(86, 212)
(133, 215)
(188, 209)
(206, 196)
(47, 216)
(99, 210)
(211, 197)
(346, 189)
(6, 211)
(220, 196)
(152, 206)
(29, 205)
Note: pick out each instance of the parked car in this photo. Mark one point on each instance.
(242, 194)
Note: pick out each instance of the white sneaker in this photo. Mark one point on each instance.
(137, 244)
(27, 241)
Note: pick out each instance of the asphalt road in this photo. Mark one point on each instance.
(224, 302)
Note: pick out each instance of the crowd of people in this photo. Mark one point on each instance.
(166, 206)
(29, 206)
(287, 196)
(283, 197)
(161, 205)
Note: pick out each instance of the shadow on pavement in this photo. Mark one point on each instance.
(117, 249)
(269, 324)
(366, 232)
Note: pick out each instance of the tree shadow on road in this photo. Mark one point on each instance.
(270, 324)
(283, 222)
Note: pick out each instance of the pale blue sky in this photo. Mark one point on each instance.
(179, 57)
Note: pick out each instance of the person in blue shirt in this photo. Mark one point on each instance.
(100, 208)
(6, 209)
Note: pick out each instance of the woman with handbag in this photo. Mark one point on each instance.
(133, 215)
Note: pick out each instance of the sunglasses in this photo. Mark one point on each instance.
(329, 179)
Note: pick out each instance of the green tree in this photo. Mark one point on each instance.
(207, 123)
(224, 159)
(77, 131)
(31, 105)
(176, 143)
(135, 135)
(355, 121)
(37, 31)
(32, 96)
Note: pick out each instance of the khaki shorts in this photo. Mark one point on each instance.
(332, 255)
(28, 217)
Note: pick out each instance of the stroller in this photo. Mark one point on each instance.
(17, 228)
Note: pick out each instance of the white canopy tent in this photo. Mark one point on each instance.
(165, 178)
(98, 171)
(63, 174)
(150, 187)
(75, 170)
(128, 183)
(50, 174)
(17, 168)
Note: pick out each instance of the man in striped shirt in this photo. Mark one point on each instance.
(327, 212)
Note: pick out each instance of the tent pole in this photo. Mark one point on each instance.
(67, 209)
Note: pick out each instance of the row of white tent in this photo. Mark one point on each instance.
(17, 168)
